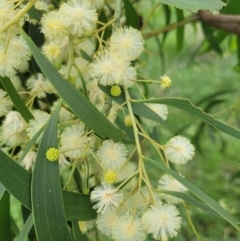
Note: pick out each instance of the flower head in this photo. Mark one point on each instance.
(128, 228)
(106, 222)
(109, 69)
(79, 16)
(165, 82)
(73, 142)
(39, 86)
(29, 160)
(52, 154)
(110, 177)
(167, 182)
(53, 26)
(179, 150)
(127, 42)
(8, 62)
(162, 222)
(128, 120)
(112, 155)
(5, 103)
(106, 197)
(115, 90)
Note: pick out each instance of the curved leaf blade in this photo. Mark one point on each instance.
(186, 105)
(47, 204)
(79, 104)
(131, 15)
(25, 229)
(195, 5)
(16, 99)
(197, 192)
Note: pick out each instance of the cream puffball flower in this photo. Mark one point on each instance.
(79, 16)
(5, 103)
(34, 125)
(179, 150)
(73, 142)
(112, 155)
(109, 69)
(167, 182)
(160, 109)
(163, 221)
(127, 42)
(106, 222)
(20, 48)
(39, 86)
(53, 26)
(106, 197)
(8, 62)
(128, 228)
(29, 160)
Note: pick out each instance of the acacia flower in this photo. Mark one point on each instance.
(115, 90)
(39, 86)
(20, 48)
(167, 182)
(73, 142)
(109, 69)
(110, 177)
(5, 103)
(127, 42)
(34, 125)
(8, 62)
(52, 154)
(163, 221)
(106, 197)
(106, 222)
(53, 26)
(29, 160)
(79, 16)
(112, 155)
(179, 150)
(165, 82)
(128, 228)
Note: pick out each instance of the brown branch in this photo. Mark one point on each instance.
(229, 23)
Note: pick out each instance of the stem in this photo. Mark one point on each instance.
(190, 221)
(142, 170)
(82, 79)
(18, 17)
(171, 27)
(71, 57)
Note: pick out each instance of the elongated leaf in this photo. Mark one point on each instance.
(18, 182)
(78, 207)
(80, 105)
(191, 200)
(16, 99)
(15, 179)
(167, 13)
(131, 15)
(180, 30)
(47, 204)
(197, 192)
(25, 229)
(5, 221)
(186, 105)
(195, 5)
(2, 190)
